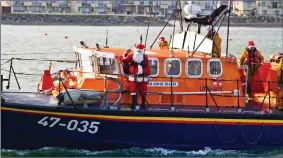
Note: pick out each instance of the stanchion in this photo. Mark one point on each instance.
(206, 98)
(238, 96)
(172, 96)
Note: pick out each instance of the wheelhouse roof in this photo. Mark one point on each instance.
(155, 53)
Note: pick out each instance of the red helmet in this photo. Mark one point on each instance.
(162, 39)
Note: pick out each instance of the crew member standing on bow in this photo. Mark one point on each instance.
(139, 71)
(253, 58)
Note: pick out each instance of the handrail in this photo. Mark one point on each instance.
(207, 91)
(118, 90)
(61, 81)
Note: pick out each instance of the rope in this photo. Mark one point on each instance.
(228, 142)
(251, 143)
(6, 62)
(34, 53)
(54, 60)
(20, 73)
(274, 143)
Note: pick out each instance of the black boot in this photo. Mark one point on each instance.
(143, 104)
(134, 102)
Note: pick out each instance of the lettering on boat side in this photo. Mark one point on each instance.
(162, 84)
(213, 88)
(81, 126)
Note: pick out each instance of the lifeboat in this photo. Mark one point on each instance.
(194, 100)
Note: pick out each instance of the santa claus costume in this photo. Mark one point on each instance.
(139, 72)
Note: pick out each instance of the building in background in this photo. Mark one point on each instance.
(141, 7)
(94, 7)
(5, 7)
(272, 8)
(206, 6)
(5, 3)
(244, 8)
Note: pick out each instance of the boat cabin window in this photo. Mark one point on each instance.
(172, 67)
(214, 68)
(154, 66)
(194, 68)
(104, 65)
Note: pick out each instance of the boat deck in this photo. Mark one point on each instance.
(29, 98)
(38, 99)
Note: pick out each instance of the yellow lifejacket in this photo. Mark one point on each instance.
(163, 45)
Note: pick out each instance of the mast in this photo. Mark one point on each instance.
(150, 7)
(229, 11)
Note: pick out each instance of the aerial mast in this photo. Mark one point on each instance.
(229, 12)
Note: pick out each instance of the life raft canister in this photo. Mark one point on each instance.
(46, 81)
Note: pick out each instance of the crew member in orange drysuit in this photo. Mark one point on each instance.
(139, 72)
(217, 43)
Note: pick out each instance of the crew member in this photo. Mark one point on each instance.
(139, 71)
(83, 45)
(216, 51)
(163, 44)
(253, 58)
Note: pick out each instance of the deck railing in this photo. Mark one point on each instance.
(105, 92)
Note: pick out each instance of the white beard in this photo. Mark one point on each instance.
(138, 58)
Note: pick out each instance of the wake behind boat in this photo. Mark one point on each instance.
(181, 96)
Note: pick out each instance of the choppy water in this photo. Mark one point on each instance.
(138, 152)
(31, 42)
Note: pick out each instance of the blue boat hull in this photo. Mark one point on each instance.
(24, 128)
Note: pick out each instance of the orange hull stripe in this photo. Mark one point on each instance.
(153, 119)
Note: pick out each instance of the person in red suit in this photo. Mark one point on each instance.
(139, 72)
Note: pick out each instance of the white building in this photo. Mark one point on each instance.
(273, 8)
(94, 6)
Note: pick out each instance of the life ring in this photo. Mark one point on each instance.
(69, 80)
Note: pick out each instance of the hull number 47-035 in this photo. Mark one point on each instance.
(81, 126)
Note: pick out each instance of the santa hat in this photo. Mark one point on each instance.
(162, 39)
(139, 47)
(251, 44)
